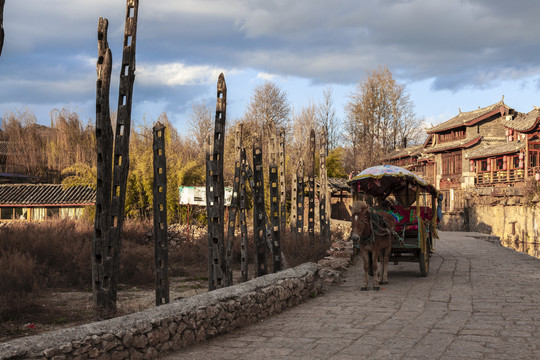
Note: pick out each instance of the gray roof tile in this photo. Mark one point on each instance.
(46, 194)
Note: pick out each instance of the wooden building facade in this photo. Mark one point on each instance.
(494, 146)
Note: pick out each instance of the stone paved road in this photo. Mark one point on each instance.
(480, 301)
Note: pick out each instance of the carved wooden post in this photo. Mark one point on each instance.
(274, 196)
(282, 193)
(2, 2)
(121, 139)
(300, 201)
(311, 186)
(259, 212)
(324, 218)
(243, 223)
(210, 186)
(161, 248)
(110, 213)
(294, 197)
(101, 264)
(215, 195)
(233, 209)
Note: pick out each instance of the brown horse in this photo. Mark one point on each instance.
(371, 232)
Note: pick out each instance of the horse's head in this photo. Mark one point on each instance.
(359, 220)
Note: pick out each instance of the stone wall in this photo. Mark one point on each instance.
(514, 222)
(146, 334)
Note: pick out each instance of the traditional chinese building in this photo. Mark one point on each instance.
(452, 142)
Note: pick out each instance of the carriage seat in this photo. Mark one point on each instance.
(406, 217)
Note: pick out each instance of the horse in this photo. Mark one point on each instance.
(372, 232)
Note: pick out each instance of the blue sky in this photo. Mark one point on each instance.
(450, 54)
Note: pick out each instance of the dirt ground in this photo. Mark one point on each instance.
(63, 309)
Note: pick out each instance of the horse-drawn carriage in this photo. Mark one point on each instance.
(411, 203)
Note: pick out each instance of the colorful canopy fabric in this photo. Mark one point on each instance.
(376, 172)
(381, 180)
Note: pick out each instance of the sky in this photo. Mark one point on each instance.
(449, 54)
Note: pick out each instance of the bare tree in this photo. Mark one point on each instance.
(303, 121)
(268, 103)
(380, 117)
(201, 122)
(328, 122)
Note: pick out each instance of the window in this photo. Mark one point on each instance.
(483, 165)
(451, 163)
(452, 135)
(533, 158)
(53, 212)
(514, 161)
(6, 213)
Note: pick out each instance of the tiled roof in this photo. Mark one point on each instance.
(337, 184)
(464, 118)
(458, 144)
(404, 152)
(46, 194)
(498, 149)
(524, 122)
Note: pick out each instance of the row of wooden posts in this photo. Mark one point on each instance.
(267, 230)
(112, 171)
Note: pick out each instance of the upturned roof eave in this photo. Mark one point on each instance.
(465, 145)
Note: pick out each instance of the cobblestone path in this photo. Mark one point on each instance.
(480, 301)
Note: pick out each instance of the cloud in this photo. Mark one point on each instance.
(266, 76)
(177, 74)
(50, 46)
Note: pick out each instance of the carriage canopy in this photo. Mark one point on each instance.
(383, 180)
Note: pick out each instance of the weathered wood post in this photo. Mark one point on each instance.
(311, 186)
(243, 223)
(294, 196)
(106, 263)
(259, 212)
(273, 177)
(104, 140)
(2, 2)
(324, 218)
(161, 247)
(300, 201)
(282, 190)
(121, 139)
(215, 193)
(233, 208)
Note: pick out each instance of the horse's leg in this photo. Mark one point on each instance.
(370, 257)
(365, 261)
(384, 262)
(375, 258)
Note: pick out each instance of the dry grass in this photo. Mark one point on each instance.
(41, 256)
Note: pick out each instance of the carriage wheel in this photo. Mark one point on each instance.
(423, 259)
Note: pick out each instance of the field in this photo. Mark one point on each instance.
(45, 271)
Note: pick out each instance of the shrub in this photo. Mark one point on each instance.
(19, 274)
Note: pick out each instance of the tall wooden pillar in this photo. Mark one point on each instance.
(311, 186)
(259, 212)
(215, 193)
(273, 177)
(107, 242)
(161, 248)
